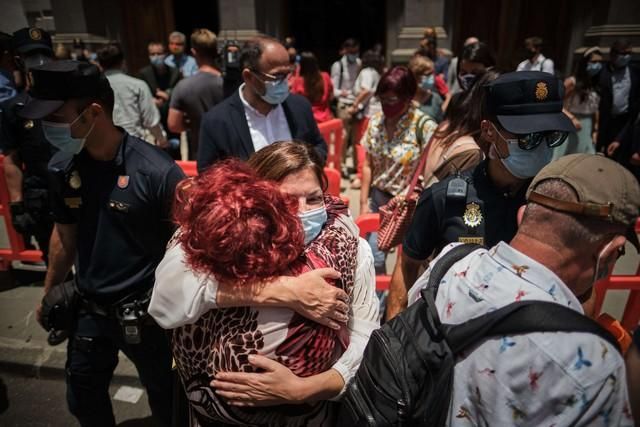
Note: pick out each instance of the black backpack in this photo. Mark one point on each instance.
(406, 374)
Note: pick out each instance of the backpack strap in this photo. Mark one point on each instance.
(445, 262)
(521, 318)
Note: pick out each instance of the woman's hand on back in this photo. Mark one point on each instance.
(312, 297)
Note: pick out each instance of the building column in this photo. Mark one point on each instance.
(238, 20)
(613, 20)
(406, 22)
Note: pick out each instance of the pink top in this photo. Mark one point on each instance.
(320, 108)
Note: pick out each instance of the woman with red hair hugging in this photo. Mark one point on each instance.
(244, 287)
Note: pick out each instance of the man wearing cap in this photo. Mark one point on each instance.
(524, 122)
(111, 200)
(25, 147)
(580, 211)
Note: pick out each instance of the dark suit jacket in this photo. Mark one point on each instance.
(149, 77)
(224, 131)
(607, 131)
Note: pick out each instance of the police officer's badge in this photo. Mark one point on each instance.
(35, 34)
(74, 180)
(542, 91)
(28, 124)
(472, 215)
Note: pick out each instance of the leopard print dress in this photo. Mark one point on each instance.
(223, 339)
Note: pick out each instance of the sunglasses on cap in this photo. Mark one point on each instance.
(529, 141)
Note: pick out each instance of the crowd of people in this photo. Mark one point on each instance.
(254, 281)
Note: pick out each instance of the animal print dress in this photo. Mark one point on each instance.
(223, 339)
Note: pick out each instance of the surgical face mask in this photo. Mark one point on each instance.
(427, 82)
(521, 163)
(59, 135)
(466, 80)
(276, 92)
(391, 111)
(593, 68)
(312, 223)
(352, 57)
(622, 61)
(156, 60)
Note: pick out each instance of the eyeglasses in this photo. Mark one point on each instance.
(530, 141)
(277, 78)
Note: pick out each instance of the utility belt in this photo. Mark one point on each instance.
(131, 312)
(62, 304)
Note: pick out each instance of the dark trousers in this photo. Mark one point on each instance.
(92, 356)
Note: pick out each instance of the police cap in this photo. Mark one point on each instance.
(528, 101)
(56, 82)
(27, 39)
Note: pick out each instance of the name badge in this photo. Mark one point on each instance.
(73, 202)
(475, 240)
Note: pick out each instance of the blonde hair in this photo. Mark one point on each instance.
(420, 64)
(205, 42)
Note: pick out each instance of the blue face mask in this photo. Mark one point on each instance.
(521, 163)
(157, 60)
(622, 61)
(276, 92)
(312, 222)
(593, 68)
(352, 57)
(427, 82)
(59, 135)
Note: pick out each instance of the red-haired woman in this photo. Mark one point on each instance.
(315, 85)
(394, 140)
(238, 236)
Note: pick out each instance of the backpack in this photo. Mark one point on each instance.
(406, 374)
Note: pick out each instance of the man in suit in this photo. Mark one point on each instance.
(261, 112)
(619, 102)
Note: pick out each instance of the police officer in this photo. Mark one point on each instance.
(25, 147)
(524, 123)
(111, 201)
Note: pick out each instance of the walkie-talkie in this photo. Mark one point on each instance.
(457, 189)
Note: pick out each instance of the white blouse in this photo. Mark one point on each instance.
(180, 296)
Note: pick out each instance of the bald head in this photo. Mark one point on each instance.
(471, 40)
(265, 55)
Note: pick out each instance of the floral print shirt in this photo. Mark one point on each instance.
(394, 159)
(536, 379)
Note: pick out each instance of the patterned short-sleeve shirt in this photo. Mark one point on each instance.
(394, 159)
(535, 379)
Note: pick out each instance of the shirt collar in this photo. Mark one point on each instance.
(113, 71)
(535, 274)
(540, 59)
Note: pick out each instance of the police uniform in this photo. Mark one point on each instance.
(32, 216)
(469, 207)
(122, 210)
(484, 215)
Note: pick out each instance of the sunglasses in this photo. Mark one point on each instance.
(553, 138)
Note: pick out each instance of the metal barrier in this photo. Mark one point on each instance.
(333, 133)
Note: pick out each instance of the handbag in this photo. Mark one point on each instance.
(396, 215)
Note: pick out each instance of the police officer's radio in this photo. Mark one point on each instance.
(457, 189)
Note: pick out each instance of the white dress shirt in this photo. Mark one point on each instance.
(536, 379)
(347, 80)
(541, 64)
(265, 130)
(180, 296)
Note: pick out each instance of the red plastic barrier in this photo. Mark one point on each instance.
(369, 223)
(333, 178)
(16, 250)
(333, 133)
(189, 167)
